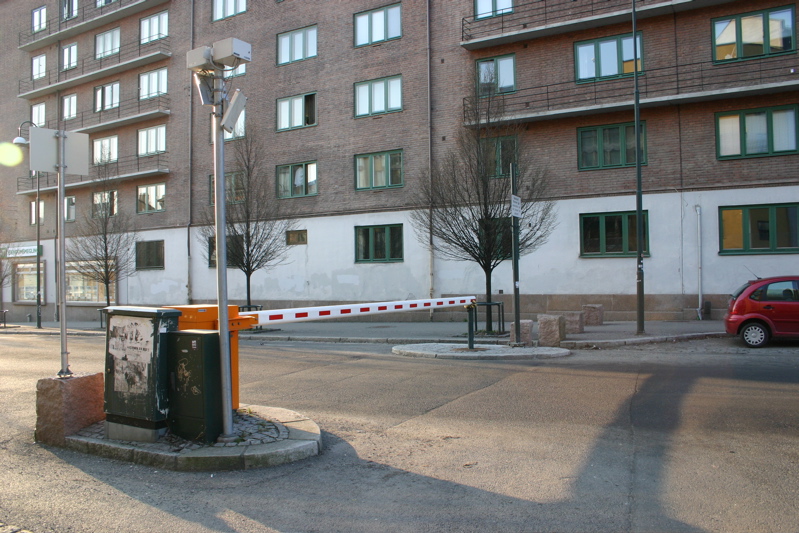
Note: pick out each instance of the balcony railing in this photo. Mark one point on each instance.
(59, 26)
(129, 167)
(686, 82)
(128, 111)
(90, 64)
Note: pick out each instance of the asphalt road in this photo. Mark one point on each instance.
(693, 436)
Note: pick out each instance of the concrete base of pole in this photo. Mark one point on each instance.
(64, 406)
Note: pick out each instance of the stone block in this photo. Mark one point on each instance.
(64, 406)
(551, 330)
(594, 314)
(525, 332)
(575, 321)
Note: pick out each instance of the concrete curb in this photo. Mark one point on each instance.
(614, 343)
(480, 352)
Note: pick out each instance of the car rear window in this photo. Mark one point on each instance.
(739, 290)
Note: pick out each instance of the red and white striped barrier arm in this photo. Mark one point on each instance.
(304, 314)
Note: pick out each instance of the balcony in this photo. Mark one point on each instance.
(541, 18)
(127, 112)
(125, 168)
(130, 55)
(85, 19)
(686, 83)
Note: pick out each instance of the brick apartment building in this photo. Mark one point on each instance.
(356, 99)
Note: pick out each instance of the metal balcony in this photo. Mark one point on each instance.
(686, 83)
(86, 18)
(127, 112)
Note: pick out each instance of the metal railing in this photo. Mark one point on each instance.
(126, 109)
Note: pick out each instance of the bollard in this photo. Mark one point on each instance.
(30, 317)
(471, 312)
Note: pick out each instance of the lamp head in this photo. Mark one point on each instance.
(20, 140)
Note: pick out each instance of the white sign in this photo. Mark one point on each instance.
(21, 251)
(44, 151)
(515, 206)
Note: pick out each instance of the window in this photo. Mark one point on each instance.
(496, 75)
(106, 97)
(296, 112)
(609, 146)
(606, 58)
(759, 229)
(378, 243)
(234, 242)
(104, 204)
(296, 237)
(238, 129)
(492, 8)
(152, 140)
(152, 84)
(25, 282)
(69, 56)
(501, 230)
(228, 8)
(378, 171)
(106, 44)
(105, 150)
(499, 153)
(101, 3)
(379, 25)
(39, 67)
(37, 115)
(154, 27)
(296, 180)
(235, 191)
(378, 96)
(39, 19)
(756, 34)
(611, 234)
(69, 106)
(756, 132)
(69, 209)
(240, 70)
(149, 255)
(296, 45)
(81, 288)
(150, 198)
(69, 9)
(33, 220)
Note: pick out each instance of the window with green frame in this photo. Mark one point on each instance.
(609, 146)
(376, 97)
(296, 180)
(759, 229)
(611, 234)
(755, 34)
(499, 153)
(492, 8)
(379, 170)
(149, 255)
(378, 25)
(496, 75)
(606, 58)
(378, 244)
(756, 132)
(150, 198)
(235, 191)
(296, 45)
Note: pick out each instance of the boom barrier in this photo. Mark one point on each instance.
(305, 314)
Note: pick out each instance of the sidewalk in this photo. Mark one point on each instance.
(605, 336)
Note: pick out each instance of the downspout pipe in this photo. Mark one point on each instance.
(699, 259)
(431, 256)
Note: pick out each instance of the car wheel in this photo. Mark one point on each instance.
(754, 334)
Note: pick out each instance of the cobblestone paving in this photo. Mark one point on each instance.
(248, 429)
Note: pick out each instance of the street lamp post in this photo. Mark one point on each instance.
(639, 216)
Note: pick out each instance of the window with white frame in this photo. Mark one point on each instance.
(69, 56)
(296, 111)
(106, 96)
(492, 8)
(69, 209)
(152, 84)
(238, 129)
(106, 43)
(33, 220)
(38, 114)
(39, 16)
(296, 45)
(228, 8)
(104, 204)
(154, 27)
(150, 198)
(39, 67)
(152, 140)
(378, 25)
(105, 150)
(375, 97)
(69, 9)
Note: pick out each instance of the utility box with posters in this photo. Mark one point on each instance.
(195, 385)
(136, 402)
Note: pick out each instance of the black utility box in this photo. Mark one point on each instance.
(195, 384)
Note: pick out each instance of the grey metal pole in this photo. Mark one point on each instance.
(516, 300)
(221, 257)
(38, 254)
(639, 216)
(65, 372)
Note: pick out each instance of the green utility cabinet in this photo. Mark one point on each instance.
(195, 384)
(136, 383)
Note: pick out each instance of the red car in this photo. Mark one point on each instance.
(764, 308)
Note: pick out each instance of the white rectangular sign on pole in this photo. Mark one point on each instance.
(515, 206)
(44, 151)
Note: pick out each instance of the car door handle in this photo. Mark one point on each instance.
(767, 307)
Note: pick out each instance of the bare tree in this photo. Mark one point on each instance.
(104, 246)
(467, 193)
(256, 225)
(5, 271)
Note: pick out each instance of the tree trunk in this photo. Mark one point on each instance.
(249, 300)
(489, 321)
